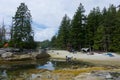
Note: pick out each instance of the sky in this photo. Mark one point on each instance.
(47, 14)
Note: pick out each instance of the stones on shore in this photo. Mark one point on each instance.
(7, 55)
(2, 51)
(99, 75)
(4, 55)
(42, 55)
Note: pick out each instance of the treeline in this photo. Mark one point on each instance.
(99, 30)
(2, 35)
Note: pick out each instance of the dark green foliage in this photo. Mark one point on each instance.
(93, 22)
(110, 27)
(21, 31)
(107, 35)
(54, 42)
(1, 44)
(63, 33)
(44, 44)
(61, 40)
(109, 24)
(77, 28)
(2, 35)
(115, 32)
(99, 39)
(98, 31)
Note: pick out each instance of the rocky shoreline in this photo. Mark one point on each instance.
(92, 73)
(9, 55)
(71, 73)
(99, 75)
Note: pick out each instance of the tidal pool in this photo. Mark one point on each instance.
(16, 68)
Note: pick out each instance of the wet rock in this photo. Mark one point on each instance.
(3, 78)
(3, 75)
(115, 75)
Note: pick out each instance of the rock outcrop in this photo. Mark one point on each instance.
(6, 55)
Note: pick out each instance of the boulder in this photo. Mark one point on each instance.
(7, 49)
(7, 55)
(2, 51)
(42, 55)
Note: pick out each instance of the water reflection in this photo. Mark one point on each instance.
(49, 65)
(14, 70)
(3, 75)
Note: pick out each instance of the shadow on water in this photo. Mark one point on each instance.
(59, 64)
(16, 68)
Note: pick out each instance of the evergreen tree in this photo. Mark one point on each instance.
(101, 30)
(106, 32)
(109, 24)
(116, 33)
(77, 32)
(63, 33)
(54, 42)
(45, 44)
(22, 34)
(2, 35)
(99, 39)
(104, 24)
(93, 21)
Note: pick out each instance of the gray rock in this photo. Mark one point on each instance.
(2, 51)
(42, 55)
(118, 78)
(108, 76)
(6, 55)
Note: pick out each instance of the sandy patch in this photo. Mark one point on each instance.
(96, 58)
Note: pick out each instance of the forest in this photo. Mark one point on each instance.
(98, 30)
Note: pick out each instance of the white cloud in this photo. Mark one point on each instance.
(48, 12)
(44, 34)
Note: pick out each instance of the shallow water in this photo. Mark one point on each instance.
(49, 65)
(16, 69)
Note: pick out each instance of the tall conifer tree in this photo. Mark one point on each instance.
(77, 28)
(63, 33)
(93, 21)
(22, 33)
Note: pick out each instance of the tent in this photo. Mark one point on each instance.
(85, 49)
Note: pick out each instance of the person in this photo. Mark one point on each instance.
(68, 58)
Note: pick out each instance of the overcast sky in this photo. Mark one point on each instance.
(47, 14)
